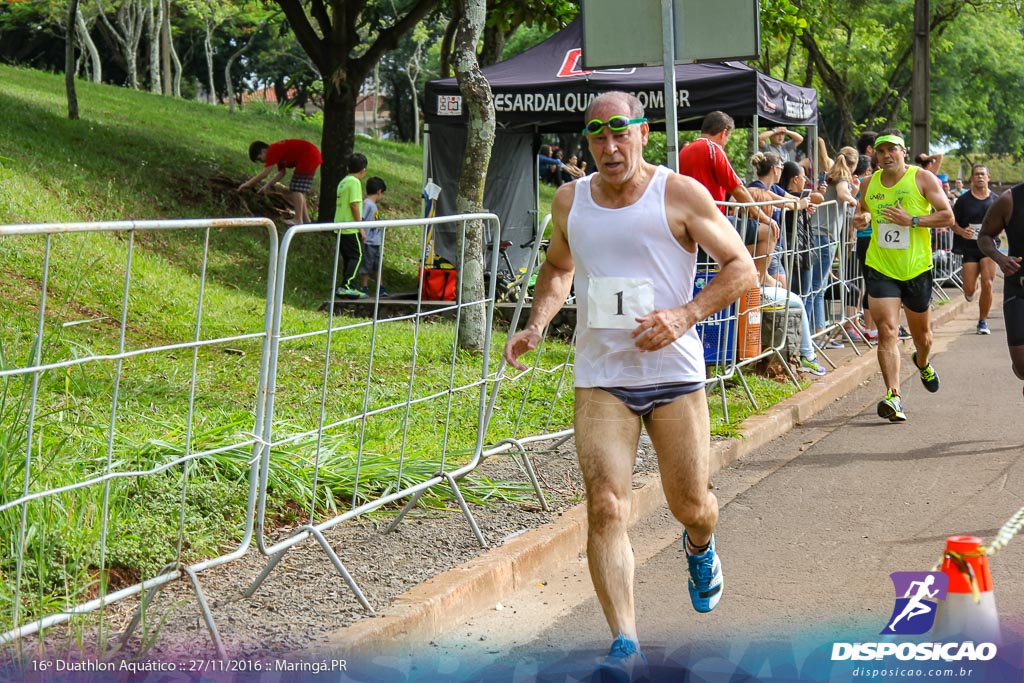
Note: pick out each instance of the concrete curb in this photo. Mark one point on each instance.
(447, 600)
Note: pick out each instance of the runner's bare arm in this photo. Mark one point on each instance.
(695, 219)
(554, 281)
(996, 219)
(931, 188)
(862, 219)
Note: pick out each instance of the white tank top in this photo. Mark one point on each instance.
(630, 242)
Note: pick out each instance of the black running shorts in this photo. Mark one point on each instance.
(1013, 309)
(916, 293)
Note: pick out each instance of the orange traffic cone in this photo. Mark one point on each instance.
(969, 611)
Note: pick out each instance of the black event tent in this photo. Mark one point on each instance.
(546, 90)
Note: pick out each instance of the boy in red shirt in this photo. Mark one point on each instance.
(303, 156)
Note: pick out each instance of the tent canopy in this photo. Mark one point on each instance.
(545, 90)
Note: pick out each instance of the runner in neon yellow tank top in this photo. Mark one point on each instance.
(900, 252)
(901, 203)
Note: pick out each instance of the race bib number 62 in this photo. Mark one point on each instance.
(892, 236)
(616, 302)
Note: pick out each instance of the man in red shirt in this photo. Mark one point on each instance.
(303, 156)
(704, 160)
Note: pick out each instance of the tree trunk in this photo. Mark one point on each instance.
(415, 107)
(494, 45)
(229, 87)
(208, 49)
(127, 38)
(165, 47)
(789, 58)
(177, 69)
(69, 61)
(329, 46)
(376, 100)
(238, 53)
(153, 35)
(94, 54)
(336, 144)
(921, 81)
(446, 43)
(479, 103)
(837, 86)
(133, 26)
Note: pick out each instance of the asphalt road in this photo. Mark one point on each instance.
(811, 527)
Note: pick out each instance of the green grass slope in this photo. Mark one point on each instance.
(135, 155)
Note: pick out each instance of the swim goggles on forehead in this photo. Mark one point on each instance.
(615, 124)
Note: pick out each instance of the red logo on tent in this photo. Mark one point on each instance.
(571, 64)
(766, 101)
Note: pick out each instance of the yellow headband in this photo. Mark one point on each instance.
(892, 139)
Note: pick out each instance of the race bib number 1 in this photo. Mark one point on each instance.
(616, 302)
(892, 236)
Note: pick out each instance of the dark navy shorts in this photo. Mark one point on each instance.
(643, 400)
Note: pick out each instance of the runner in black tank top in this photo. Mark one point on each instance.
(969, 211)
(1008, 214)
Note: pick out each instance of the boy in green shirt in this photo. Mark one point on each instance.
(349, 210)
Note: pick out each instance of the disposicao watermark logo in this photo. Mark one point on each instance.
(917, 599)
(914, 612)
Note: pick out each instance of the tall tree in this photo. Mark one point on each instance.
(153, 24)
(413, 67)
(479, 103)
(345, 39)
(69, 61)
(82, 31)
(975, 105)
(862, 54)
(130, 19)
(253, 33)
(166, 47)
(503, 18)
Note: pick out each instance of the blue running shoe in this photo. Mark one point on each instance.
(983, 327)
(706, 582)
(624, 663)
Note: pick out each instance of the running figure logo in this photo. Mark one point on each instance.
(914, 612)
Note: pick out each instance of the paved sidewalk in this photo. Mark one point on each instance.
(450, 600)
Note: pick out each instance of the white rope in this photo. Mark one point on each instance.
(1009, 530)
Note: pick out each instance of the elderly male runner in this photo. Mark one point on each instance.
(1008, 214)
(901, 202)
(629, 234)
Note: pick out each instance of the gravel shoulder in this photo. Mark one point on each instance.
(304, 598)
